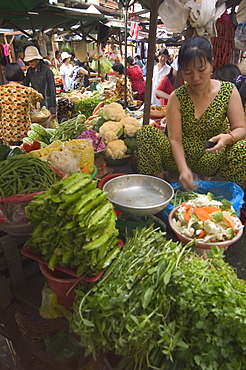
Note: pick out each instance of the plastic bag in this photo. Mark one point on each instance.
(65, 160)
(105, 66)
(96, 54)
(13, 208)
(240, 37)
(50, 308)
(174, 14)
(221, 189)
(81, 51)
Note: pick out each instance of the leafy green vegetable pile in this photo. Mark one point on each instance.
(160, 306)
(87, 105)
(74, 225)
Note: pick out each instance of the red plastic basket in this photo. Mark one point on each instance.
(72, 272)
(105, 179)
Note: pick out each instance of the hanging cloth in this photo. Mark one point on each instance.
(134, 30)
(42, 40)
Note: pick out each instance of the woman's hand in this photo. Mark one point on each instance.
(221, 141)
(186, 179)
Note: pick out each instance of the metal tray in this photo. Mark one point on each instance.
(139, 195)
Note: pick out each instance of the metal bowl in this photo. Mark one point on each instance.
(139, 195)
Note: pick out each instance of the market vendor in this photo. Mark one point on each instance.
(79, 72)
(41, 78)
(119, 71)
(15, 106)
(196, 113)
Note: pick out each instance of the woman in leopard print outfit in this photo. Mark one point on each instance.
(196, 113)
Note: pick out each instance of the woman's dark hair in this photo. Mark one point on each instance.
(171, 76)
(57, 52)
(13, 72)
(231, 73)
(195, 48)
(226, 72)
(118, 67)
(79, 63)
(163, 52)
(138, 56)
(130, 60)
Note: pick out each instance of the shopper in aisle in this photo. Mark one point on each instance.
(66, 71)
(231, 73)
(19, 59)
(79, 73)
(169, 83)
(15, 105)
(138, 61)
(196, 113)
(135, 75)
(41, 78)
(161, 69)
(58, 59)
(166, 86)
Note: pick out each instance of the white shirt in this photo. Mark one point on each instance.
(158, 75)
(66, 71)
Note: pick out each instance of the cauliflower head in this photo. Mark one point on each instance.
(131, 125)
(116, 149)
(110, 130)
(113, 111)
(210, 227)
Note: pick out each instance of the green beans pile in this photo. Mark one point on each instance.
(25, 174)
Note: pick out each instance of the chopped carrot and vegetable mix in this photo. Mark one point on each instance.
(207, 219)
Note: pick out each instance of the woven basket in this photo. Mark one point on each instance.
(34, 327)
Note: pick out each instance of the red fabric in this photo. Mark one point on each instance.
(165, 86)
(135, 75)
(134, 30)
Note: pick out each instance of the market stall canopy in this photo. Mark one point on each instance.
(46, 16)
(18, 5)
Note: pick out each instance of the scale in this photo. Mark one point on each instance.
(127, 223)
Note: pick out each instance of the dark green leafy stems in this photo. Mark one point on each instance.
(25, 174)
(74, 225)
(160, 306)
(87, 105)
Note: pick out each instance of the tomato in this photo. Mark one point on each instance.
(35, 145)
(27, 147)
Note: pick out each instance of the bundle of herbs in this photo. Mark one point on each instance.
(160, 306)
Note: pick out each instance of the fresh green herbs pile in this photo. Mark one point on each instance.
(160, 306)
(87, 105)
(181, 196)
